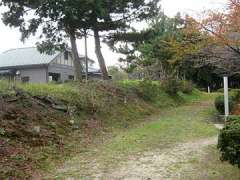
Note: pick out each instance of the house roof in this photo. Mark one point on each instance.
(26, 57)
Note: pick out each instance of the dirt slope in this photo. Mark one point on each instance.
(26, 125)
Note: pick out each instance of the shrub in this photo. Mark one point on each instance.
(171, 86)
(233, 118)
(148, 90)
(219, 104)
(236, 94)
(186, 87)
(229, 142)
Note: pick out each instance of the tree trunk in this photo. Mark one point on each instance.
(98, 51)
(76, 59)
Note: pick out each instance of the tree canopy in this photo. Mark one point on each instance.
(162, 47)
(66, 18)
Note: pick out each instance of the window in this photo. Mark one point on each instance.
(66, 55)
(25, 79)
(71, 78)
(54, 77)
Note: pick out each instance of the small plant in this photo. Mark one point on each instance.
(233, 118)
(171, 86)
(2, 132)
(219, 104)
(186, 87)
(148, 90)
(229, 141)
(236, 94)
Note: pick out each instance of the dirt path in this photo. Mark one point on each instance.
(170, 163)
(191, 154)
(159, 165)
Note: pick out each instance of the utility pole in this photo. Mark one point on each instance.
(86, 55)
(226, 100)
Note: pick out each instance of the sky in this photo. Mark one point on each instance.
(10, 38)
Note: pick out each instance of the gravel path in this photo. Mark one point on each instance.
(159, 164)
(163, 164)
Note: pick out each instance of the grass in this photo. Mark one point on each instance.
(172, 126)
(210, 167)
(169, 129)
(106, 100)
(111, 130)
(175, 125)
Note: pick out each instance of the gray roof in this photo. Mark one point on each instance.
(26, 57)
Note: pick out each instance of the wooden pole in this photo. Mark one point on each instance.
(86, 55)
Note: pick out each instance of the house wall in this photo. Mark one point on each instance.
(64, 66)
(62, 61)
(64, 71)
(60, 65)
(61, 69)
(36, 75)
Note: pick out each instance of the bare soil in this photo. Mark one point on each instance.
(25, 126)
(158, 165)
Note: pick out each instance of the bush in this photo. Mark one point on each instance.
(186, 87)
(219, 104)
(229, 141)
(236, 94)
(233, 118)
(148, 90)
(171, 86)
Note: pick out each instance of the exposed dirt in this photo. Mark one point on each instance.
(26, 124)
(236, 109)
(158, 165)
(219, 126)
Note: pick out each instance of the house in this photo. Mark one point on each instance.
(29, 65)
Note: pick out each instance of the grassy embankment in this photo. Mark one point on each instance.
(172, 125)
(99, 109)
(115, 120)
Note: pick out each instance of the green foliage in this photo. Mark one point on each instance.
(219, 104)
(58, 19)
(148, 90)
(154, 92)
(235, 93)
(97, 106)
(164, 46)
(4, 86)
(117, 74)
(186, 87)
(171, 86)
(233, 118)
(2, 132)
(86, 97)
(229, 141)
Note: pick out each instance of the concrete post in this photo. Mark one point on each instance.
(209, 90)
(226, 100)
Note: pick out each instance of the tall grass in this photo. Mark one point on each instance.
(118, 103)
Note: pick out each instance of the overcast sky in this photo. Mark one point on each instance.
(9, 38)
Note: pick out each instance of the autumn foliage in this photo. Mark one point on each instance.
(224, 27)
